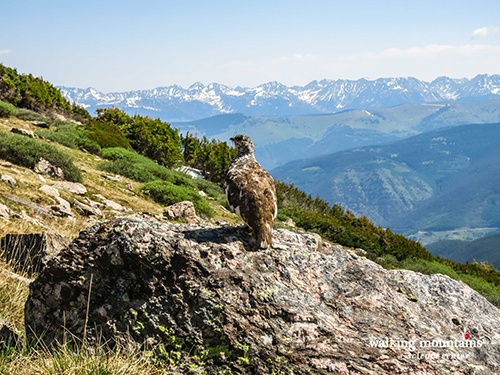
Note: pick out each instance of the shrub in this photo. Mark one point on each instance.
(166, 193)
(27, 152)
(7, 109)
(108, 135)
(137, 167)
(29, 115)
(72, 136)
(154, 139)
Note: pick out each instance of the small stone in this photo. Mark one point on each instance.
(40, 124)
(86, 210)
(8, 180)
(44, 167)
(25, 132)
(49, 190)
(72, 187)
(183, 211)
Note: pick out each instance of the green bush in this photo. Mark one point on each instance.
(137, 167)
(27, 152)
(108, 135)
(164, 185)
(166, 193)
(154, 139)
(29, 115)
(72, 136)
(7, 109)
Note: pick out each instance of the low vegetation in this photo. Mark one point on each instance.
(27, 152)
(164, 185)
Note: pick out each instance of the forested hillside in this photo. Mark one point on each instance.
(436, 181)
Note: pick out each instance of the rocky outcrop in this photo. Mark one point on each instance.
(29, 253)
(45, 168)
(194, 293)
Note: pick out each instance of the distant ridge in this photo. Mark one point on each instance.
(175, 103)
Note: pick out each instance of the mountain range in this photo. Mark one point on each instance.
(175, 103)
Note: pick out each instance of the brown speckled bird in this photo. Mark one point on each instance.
(251, 192)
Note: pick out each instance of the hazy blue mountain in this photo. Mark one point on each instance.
(174, 103)
(436, 181)
(315, 135)
(480, 250)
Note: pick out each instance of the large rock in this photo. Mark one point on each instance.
(25, 132)
(29, 253)
(72, 187)
(196, 294)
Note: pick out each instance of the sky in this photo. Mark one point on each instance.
(121, 45)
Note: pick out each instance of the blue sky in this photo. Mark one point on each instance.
(119, 45)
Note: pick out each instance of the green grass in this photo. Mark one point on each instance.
(27, 152)
(137, 167)
(164, 185)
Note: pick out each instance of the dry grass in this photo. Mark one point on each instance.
(84, 361)
(13, 295)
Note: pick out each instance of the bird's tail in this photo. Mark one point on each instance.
(265, 236)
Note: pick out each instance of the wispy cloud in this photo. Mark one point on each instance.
(485, 31)
(5, 52)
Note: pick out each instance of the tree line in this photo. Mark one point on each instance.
(27, 91)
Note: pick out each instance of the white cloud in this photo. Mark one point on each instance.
(485, 31)
(5, 51)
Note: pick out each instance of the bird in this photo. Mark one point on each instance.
(251, 192)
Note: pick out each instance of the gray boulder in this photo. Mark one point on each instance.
(194, 293)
